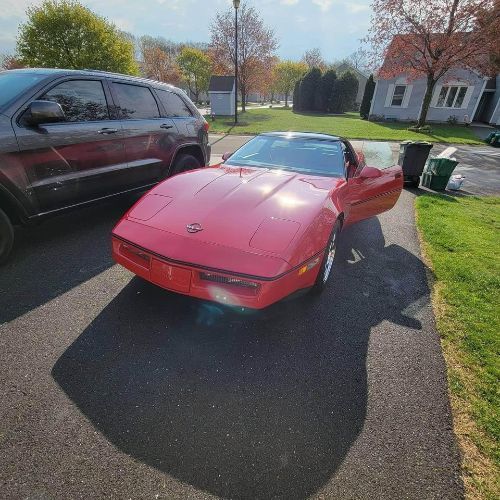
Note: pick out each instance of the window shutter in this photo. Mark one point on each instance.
(406, 98)
(435, 96)
(467, 97)
(388, 97)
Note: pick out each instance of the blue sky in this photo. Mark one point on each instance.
(335, 26)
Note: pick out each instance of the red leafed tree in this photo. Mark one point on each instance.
(256, 45)
(10, 62)
(428, 39)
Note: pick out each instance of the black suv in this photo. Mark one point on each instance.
(71, 137)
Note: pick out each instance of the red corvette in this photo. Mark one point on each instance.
(258, 227)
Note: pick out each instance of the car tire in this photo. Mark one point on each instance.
(328, 263)
(6, 237)
(183, 163)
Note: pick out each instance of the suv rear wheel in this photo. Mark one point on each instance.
(183, 163)
(6, 236)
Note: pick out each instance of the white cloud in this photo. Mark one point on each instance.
(289, 2)
(356, 7)
(124, 24)
(324, 5)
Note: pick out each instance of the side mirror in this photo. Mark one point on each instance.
(369, 173)
(40, 112)
(226, 156)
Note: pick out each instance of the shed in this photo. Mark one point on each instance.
(221, 91)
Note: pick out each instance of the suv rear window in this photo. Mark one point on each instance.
(135, 102)
(174, 105)
(81, 100)
(13, 84)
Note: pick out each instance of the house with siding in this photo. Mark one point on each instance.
(460, 93)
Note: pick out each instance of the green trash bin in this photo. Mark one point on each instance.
(495, 139)
(435, 182)
(441, 166)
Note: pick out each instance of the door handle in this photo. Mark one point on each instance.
(106, 131)
(398, 175)
(166, 126)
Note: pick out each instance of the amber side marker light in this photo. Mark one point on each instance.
(309, 266)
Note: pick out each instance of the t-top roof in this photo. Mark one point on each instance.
(221, 84)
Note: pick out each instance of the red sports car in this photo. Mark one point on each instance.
(258, 227)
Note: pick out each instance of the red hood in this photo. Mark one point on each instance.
(230, 203)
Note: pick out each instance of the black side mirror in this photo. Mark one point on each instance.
(226, 156)
(40, 112)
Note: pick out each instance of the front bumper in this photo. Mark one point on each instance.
(209, 284)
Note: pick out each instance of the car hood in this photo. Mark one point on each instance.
(256, 209)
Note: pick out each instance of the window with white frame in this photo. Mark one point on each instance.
(398, 95)
(451, 96)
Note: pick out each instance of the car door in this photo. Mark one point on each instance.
(74, 160)
(149, 139)
(371, 190)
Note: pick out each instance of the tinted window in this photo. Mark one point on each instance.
(81, 100)
(316, 156)
(174, 105)
(12, 84)
(136, 102)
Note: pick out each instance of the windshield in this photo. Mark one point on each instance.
(309, 155)
(13, 84)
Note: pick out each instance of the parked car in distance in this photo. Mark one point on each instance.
(260, 226)
(68, 138)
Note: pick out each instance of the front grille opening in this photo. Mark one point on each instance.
(226, 280)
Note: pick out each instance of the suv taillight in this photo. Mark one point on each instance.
(206, 126)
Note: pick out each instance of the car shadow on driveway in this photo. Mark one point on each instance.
(242, 406)
(53, 257)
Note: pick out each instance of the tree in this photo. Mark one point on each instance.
(65, 34)
(10, 62)
(423, 40)
(366, 103)
(256, 45)
(327, 88)
(195, 67)
(313, 59)
(296, 96)
(308, 89)
(358, 59)
(287, 73)
(348, 89)
(159, 65)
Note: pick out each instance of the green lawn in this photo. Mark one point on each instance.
(350, 125)
(461, 239)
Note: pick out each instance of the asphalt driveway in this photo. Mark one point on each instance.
(112, 387)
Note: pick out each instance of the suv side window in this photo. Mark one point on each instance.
(135, 102)
(173, 104)
(81, 100)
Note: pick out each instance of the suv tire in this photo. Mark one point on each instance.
(183, 163)
(6, 236)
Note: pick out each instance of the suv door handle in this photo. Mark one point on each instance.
(166, 126)
(106, 131)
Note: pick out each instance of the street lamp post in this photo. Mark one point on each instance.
(236, 4)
